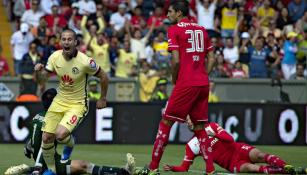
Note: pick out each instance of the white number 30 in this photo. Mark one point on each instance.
(196, 39)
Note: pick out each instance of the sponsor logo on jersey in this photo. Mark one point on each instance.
(92, 64)
(75, 70)
(67, 80)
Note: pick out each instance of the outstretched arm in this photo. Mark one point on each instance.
(42, 74)
(186, 163)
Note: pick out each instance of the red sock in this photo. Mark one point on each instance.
(159, 145)
(270, 170)
(274, 160)
(205, 149)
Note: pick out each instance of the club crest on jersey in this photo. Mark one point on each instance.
(75, 70)
(92, 64)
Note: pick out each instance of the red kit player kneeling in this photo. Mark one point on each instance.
(233, 156)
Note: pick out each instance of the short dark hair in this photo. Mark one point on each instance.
(71, 31)
(181, 5)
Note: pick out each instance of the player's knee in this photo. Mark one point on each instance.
(61, 135)
(245, 168)
(48, 138)
(260, 156)
(83, 165)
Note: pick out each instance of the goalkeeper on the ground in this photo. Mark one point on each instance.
(33, 148)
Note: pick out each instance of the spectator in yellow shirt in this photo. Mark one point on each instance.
(213, 98)
(229, 19)
(160, 47)
(100, 52)
(93, 93)
(126, 61)
(89, 28)
(148, 80)
(265, 13)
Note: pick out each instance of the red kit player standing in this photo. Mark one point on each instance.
(189, 44)
(233, 156)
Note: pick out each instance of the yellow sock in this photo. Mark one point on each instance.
(48, 151)
(68, 141)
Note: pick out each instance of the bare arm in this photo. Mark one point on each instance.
(41, 73)
(211, 62)
(175, 65)
(104, 82)
(127, 28)
(101, 22)
(83, 25)
(152, 27)
(89, 44)
(12, 49)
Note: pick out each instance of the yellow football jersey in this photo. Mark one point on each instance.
(73, 75)
(125, 63)
(101, 56)
(229, 18)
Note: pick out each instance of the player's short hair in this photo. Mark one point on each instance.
(47, 97)
(181, 5)
(71, 31)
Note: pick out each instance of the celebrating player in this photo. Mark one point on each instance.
(233, 156)
(70, 105)
(33, 145)
(189, 44)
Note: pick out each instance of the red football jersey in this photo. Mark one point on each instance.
(223, 146)
(193, 43)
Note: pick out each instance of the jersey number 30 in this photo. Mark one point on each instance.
(196, 39)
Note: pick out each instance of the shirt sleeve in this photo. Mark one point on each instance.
(172, 39)
(91, 67)
(50, 63)
(220, 133)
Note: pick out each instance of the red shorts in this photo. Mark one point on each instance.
(241, 157)
(185, 101)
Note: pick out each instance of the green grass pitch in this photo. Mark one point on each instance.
(114, 155)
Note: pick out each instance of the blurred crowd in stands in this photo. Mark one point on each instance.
(127, 38)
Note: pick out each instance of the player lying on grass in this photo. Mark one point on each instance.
(32, 148)
(233, 156)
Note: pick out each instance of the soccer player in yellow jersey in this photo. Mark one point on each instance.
(70, 104)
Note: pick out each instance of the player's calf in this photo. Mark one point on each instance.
(84, 167)
(48, 150)
(69, 142)
(63, 136)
